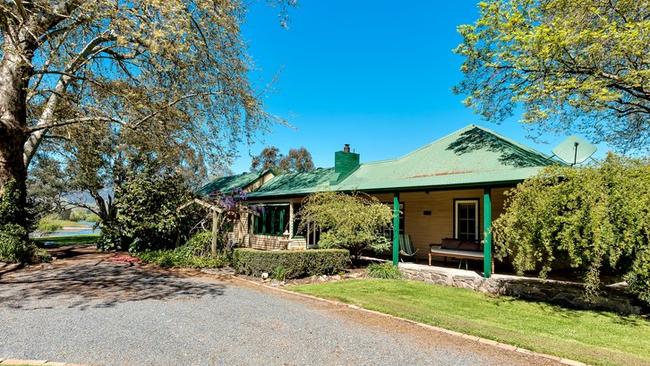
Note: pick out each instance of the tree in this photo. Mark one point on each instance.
(354, 222)
(269, 158)
(572, 65)
(296, 161)
(595, 218)
(148, 71)
(147, 215)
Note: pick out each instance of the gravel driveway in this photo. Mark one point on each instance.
(91, 311)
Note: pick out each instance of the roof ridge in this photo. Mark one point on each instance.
(509, 140)
(461, 130)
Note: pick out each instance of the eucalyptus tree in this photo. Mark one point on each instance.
(82, 77)
(296, 161)
(580, 65)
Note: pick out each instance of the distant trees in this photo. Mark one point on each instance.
(571, 65)
(296, 161)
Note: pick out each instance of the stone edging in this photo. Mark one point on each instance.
(11, 361)
(503, 346)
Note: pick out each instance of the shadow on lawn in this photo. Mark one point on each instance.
(97, 284)
(568, 311)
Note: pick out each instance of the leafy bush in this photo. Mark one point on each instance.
(147, 217)
(293, 264)
(83, 215)
(353, 222)
(111, 237)
(279, 273)
(15, 245)
(49, 224)
(596, 217)
(384, 270)
(200, 243)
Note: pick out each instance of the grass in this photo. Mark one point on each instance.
(49, 224)
(599, 338)
(60, 241)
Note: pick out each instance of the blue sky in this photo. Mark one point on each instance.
(375, 74)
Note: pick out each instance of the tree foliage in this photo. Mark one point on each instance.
(296, 161)
(163, 77)
(354, 222)
(14, 242)
(571, 64)
(147, 215)
(597, 218)
(268, 158)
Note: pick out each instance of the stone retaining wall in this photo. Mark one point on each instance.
(570, 294)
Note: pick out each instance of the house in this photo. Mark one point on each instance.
(450, 188)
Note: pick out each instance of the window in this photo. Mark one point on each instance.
(272, 220)
(466, 219)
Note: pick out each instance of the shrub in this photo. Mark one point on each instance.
(83, 215)
(147, 204)
(354, 222)
(13, 245)
(293, 264)
(279, 273)
(384, 270)
(200, 244)
(48, 225)
(595, 217)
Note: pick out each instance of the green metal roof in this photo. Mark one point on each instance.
(470, 156)
(296, 184)
(229, 183)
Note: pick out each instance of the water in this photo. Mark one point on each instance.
(82, 230)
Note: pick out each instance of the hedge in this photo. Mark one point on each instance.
(292, 264)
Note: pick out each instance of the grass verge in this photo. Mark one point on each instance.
(594, 337)
(60, 241)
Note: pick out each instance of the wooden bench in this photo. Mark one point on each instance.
(456, 249)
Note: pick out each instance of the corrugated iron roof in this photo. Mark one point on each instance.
(230, 183)
(296, 183)
(470, 156)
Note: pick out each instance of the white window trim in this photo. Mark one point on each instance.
(456, 226)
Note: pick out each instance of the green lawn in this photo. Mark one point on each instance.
(599, 338)
(69, 240)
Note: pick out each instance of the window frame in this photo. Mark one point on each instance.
(477, 211)
(283, 219)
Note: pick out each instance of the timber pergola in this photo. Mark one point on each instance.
(215, 211)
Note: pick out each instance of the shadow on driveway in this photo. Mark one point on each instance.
(93, 283)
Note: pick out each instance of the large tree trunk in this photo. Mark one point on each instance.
(15, 72)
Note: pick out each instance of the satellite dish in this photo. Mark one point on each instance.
(574, 150)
